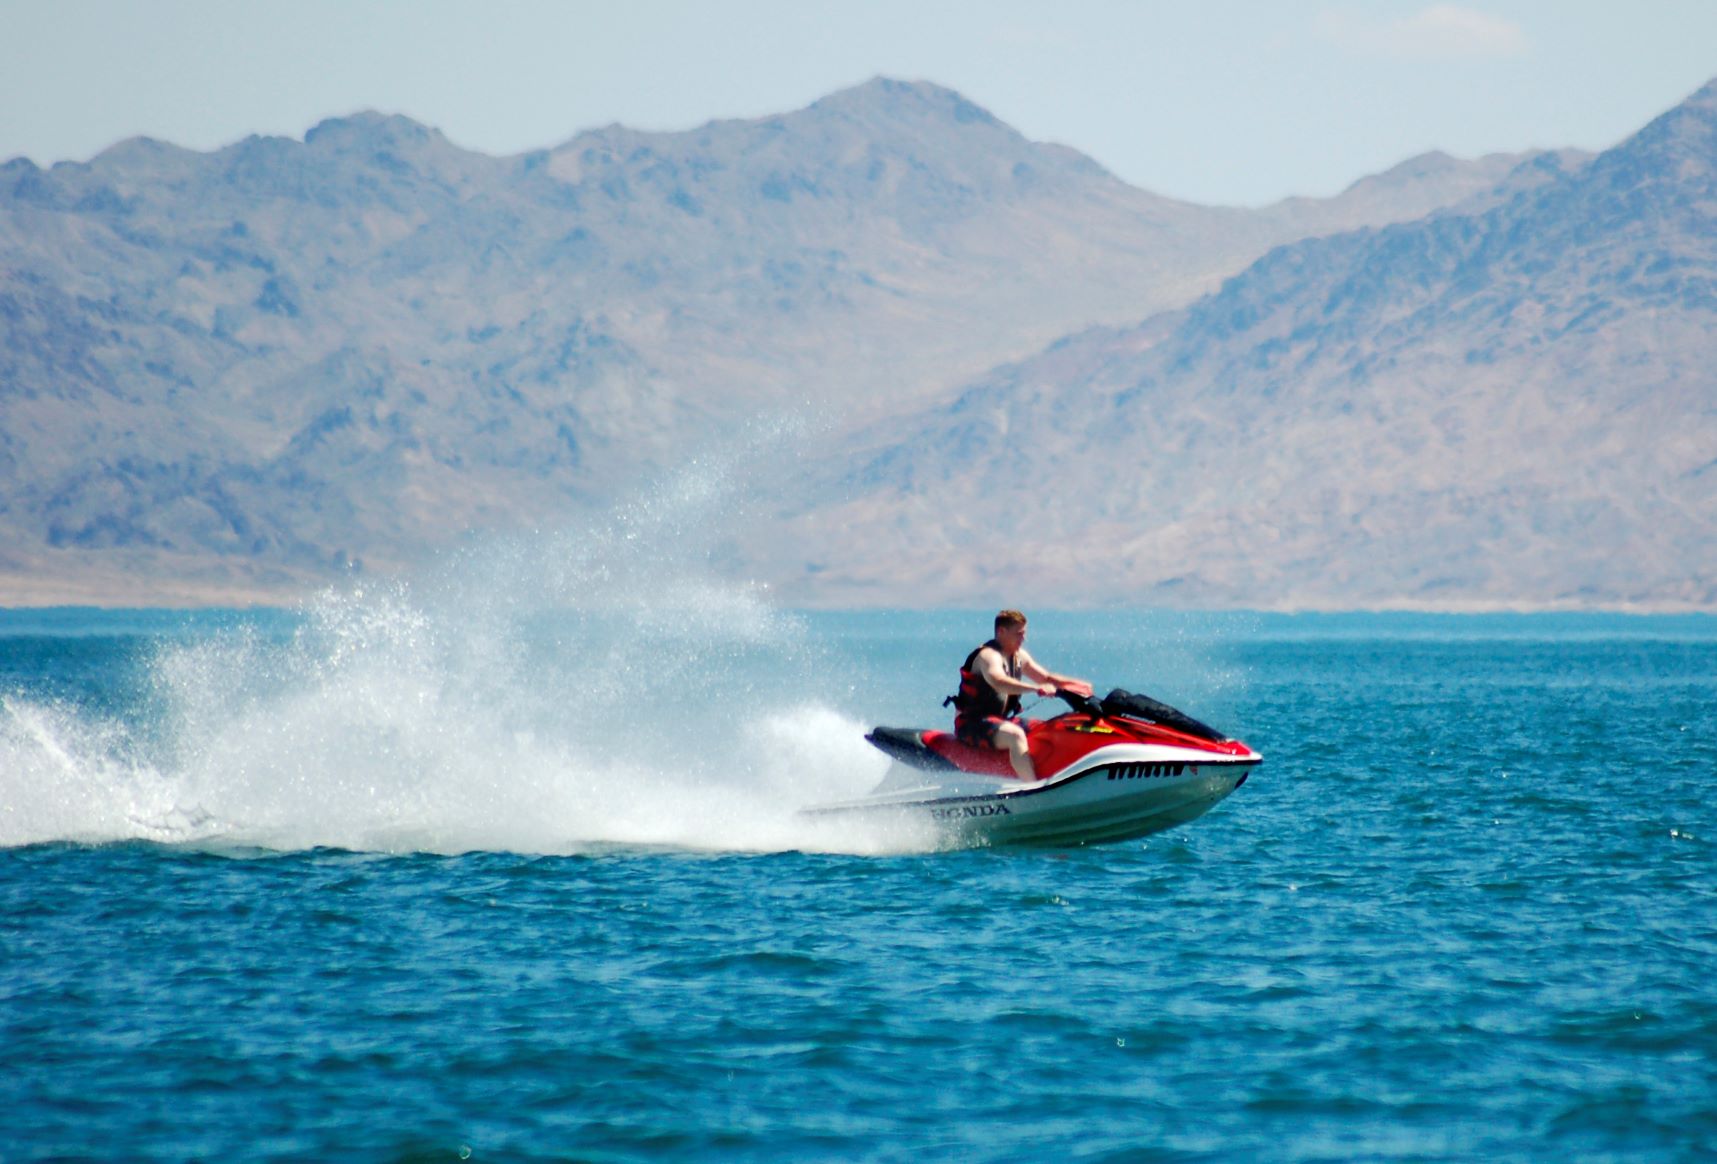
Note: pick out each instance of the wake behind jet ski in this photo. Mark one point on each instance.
(1108, 769)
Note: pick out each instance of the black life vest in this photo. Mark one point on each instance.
(976, 698)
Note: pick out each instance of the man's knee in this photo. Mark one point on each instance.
(1010, 736)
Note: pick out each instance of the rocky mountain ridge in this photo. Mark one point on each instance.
(1512, 405)
(239, 372)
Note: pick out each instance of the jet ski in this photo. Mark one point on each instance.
(1109, 769)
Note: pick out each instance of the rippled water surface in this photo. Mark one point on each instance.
(391, 880)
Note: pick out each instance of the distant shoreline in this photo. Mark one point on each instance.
(258, 605)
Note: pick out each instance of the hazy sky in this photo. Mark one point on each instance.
(1238, 101)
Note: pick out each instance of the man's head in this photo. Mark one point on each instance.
(1010, 629)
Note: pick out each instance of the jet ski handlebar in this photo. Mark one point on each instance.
(1081, 704)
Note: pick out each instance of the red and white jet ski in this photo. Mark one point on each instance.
(1110, 769)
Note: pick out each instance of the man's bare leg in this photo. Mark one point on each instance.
(1012, 737)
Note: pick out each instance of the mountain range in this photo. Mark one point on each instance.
(1511, 403)
(225, 376)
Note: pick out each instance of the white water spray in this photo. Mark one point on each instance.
(544, 694)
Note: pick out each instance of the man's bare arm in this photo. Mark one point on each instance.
(1030, 666)
(995, 670)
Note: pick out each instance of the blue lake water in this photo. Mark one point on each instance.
(413, 877)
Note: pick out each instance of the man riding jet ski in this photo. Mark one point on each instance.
(1109, 769)
(992, 679)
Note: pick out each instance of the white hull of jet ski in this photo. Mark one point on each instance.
(1113, 794)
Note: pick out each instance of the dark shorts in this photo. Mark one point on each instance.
(979, 731)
